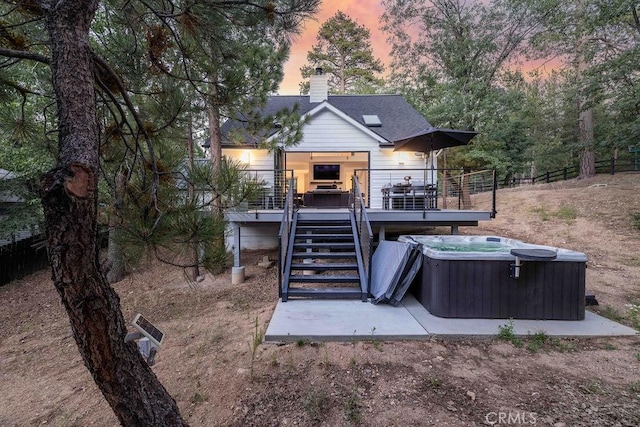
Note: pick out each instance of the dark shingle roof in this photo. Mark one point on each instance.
(399, 119)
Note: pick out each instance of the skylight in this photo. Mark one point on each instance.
(371, 120)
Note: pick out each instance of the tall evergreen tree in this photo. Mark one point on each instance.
(343, 51)
(92, 50)
(451, 58)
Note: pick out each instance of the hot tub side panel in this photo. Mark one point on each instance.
(484, 289)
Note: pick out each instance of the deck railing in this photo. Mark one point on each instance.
(274, 186)
(428, 189)
(284, 233)
(363, 227)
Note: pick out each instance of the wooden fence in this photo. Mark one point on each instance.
(22, 257)
(609, 166)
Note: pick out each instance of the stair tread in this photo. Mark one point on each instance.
(324, 245)
(324, 255)
(324, 236)
(323, 226)
(325, 266)
(323, 278)
(318, 292)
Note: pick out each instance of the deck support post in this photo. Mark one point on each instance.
(454, 230)
(236, 244)
(381, 233)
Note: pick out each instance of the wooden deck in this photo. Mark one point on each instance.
(377, 217)
(263, 225)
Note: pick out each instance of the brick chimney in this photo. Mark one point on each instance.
(318, 86)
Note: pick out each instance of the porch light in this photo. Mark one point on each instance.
(245, 157)
(401, 157)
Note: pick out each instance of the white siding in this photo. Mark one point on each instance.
(261, 162)
(255, 237)
(329, 132)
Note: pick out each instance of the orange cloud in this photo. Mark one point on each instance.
(366, 13)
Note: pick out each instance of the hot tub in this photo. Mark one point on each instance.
(479, 277)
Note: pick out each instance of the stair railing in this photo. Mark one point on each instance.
(288, 210)
(363, 227)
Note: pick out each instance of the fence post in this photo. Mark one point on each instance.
(548, 178)
(613, 166)
(493, 195)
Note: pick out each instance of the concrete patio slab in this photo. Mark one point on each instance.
(341, 320)
(351, 320)
(593, 325)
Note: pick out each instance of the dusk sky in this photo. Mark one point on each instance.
(364, 12)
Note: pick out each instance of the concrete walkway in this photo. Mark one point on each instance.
(352, 320)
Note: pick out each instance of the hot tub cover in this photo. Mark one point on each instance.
(394, 266)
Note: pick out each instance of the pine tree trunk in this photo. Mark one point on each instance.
(586, 139)
(585, 119)
(195, 270)
(69, 198)
(115, 257)
(216, 152)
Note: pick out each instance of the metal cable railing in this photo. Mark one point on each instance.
(427, 189)
(288, 209)
(363, 227)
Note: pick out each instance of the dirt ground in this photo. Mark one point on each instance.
(206, 361)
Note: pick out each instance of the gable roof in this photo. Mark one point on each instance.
(398, 118)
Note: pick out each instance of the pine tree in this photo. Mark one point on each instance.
(343, 51)
(123, 78)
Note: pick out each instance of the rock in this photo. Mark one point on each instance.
(266, 262)
(472, 395)
(560, 425)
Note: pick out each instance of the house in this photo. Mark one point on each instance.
(346, 136)
(343, 134)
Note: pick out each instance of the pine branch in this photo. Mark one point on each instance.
(21, 54)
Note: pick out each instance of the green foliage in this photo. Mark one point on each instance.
(563, 345)
(377, 344)
(543, 212)
(611, 313)
(633, 315)
(344, 52)
(353, 408)
(256, 340)
(593, 387)
(435, 383)
(566, 213)
(315, 404)
(635, 219)
(457, 63)
(506, 333)
(634, 387)
(198, 399)
(537, 341)
(157, 75)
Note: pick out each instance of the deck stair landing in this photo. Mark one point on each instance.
(324, 259)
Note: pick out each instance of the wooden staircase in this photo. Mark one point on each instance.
(324, 259)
